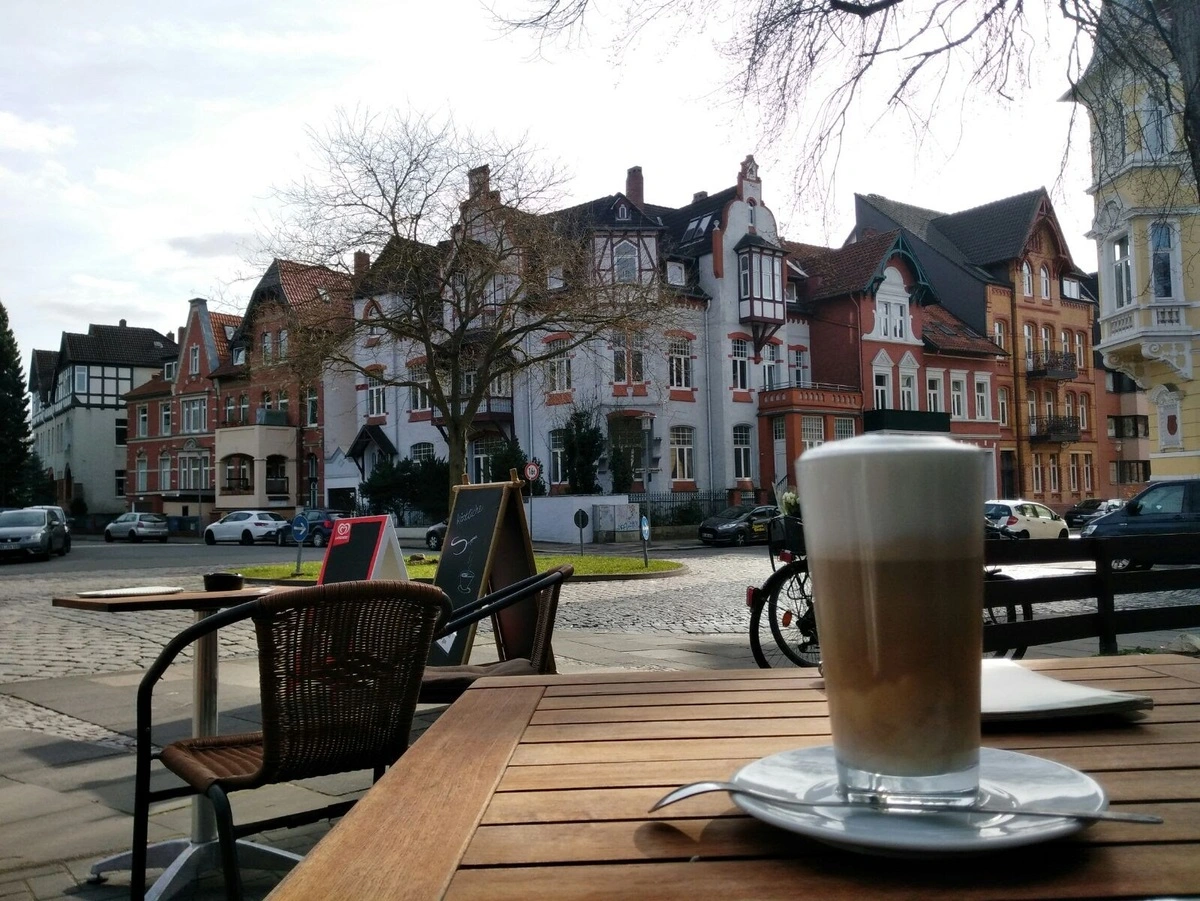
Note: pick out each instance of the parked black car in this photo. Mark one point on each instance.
(1163, 508)
(737, 525)
(435, 535)
(320, 527)
(1085, 511)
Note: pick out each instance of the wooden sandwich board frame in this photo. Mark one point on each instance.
(487, 546)
(362, 547)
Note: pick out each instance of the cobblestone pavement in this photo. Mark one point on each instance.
(38, 641)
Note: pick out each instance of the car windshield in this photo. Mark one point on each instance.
(732, 512)
(995, 510)
(19, 518)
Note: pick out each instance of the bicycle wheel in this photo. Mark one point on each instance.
(785, 614)
(1009, 613)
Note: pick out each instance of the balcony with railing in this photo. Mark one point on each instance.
(1052, 364)
(796, 397)
(491, 409)
(1054, 429)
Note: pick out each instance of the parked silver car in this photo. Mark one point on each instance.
(32, 533)
(137, 527)
(61, 514)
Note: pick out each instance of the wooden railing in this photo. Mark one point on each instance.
(1104, 586)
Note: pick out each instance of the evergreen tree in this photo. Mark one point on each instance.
(583, 444)
(513, 457)
(14, 420)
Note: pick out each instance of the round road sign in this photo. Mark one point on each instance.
(645, 529)
(299, 527)
(532, 471)
(581, 519)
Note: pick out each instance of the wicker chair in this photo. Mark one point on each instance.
(339, 671)
(445, 684)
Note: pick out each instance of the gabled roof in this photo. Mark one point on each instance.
(690, 228)
(117, 345)
(995, 232)
(837, 271)
(602, 213)
(368, 435)
(224, 327)
(298, 285)
(41, 373)
(156, 387)
(401, 261)
(943, 332)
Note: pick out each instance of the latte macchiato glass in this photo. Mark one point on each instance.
(893, 526)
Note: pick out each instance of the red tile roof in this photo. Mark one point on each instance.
(837, 271)
(946, 333)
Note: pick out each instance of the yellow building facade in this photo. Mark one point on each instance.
(1147, 233)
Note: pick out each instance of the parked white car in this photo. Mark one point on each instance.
(1026, 519)
(245, 527)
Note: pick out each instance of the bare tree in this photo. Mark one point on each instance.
(790, 52)
(478, 275)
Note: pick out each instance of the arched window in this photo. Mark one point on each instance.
(1027, 279)
(752, 213)
(1080, 350)
(1045, 279)
(625, 263)
(266, 400)
(1083, 412)
(1048, 398)
(1031, 403)
(1069, 405)
(1028, 345)
(266, 347)
(230, 406)
(421, 451)
(1002, 405)
(1001, 331)
(1065, 342)
(283, 401)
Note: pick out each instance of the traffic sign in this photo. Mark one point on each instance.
(532, 471)
(581, 519)
(645, 528)
(299, 527)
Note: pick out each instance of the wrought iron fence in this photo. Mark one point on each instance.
(679, 508)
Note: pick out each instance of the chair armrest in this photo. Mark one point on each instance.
(499, 599)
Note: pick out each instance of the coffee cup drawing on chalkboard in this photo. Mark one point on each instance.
(466, 579)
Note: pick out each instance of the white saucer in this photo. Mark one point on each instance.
(1005, 778)
(131, 592)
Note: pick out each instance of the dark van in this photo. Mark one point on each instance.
(1163, 508)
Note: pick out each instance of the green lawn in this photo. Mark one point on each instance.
(587, 565)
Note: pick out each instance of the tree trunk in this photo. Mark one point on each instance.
(1185, 38)
(456, 456)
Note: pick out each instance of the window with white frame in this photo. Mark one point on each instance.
(1002, 405)
(625, 263)
(497, 291)
(778, 428)
(266, 402)
(771, 377)
(1037, 473)
(1064, 340)
(1153, 121)
(418, 391)
(812, 431)
(675, 273)
(1073, 472)
(141, 474)
(982, 396)
(266, 347)
(843, 427)
(1044, 275)
(800, 363)
(558, 366)
(741, 364)
(1083, 412)
(1162, 261)
(1000, 328)
(1048, 399)
(1029, 350)
(170, 370)
(230, 409)
(483, 450)
(194, 359)
(81, 380)
(244, 408)
(908, 391)
(558, 456)
(311, 407)
(1031, 404)
(466, 383)
(1087, 472)
(143, 423)
(421, 452)
(501, 385)
(239, 356)
(958, 397)
(933, 393)
(680, 362)
(1047, 339)
(1122, 274)
(283, 401)
(164, 473)
(1070, 289)
(741, 452)
(554, 278)
(682, 448)
(1054, 472)
(376, 398)
(194, 471)
(195, 414)
(164, 418)
(1027, 279)
(883, 390)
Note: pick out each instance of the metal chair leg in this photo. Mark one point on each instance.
(228, 841)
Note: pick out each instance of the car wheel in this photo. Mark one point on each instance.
(1121, 564)
(739, 539)
(108, 536)
(319, 539)
(433, 541)
(247, 538)
(209, 537)
(1064, 534)
(1023, 535)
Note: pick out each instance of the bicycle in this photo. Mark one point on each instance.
(783, 622)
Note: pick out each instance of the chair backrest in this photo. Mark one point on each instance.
(541, 654)
(340, 667)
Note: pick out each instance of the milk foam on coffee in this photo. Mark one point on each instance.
(895, 540)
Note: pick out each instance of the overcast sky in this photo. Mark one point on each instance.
(140, 142)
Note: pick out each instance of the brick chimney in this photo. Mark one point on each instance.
(479, 180)
(698, 196)
(633, 186)
(362, 262)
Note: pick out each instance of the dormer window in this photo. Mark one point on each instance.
(675, 273)
(623, 213)
(170, 369)
(696, 228)
(239, 356)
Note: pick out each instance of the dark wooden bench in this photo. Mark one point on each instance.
(1104, 586)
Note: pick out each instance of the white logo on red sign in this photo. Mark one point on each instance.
(341, 532)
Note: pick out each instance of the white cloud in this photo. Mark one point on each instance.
(32, 137)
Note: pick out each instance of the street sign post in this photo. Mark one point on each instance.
(645, 541)
(581, 521)
(532, 471)
(299, 532)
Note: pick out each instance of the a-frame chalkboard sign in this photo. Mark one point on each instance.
(487, 546)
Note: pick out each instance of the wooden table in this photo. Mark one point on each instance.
(538, 787)
(183, 860)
